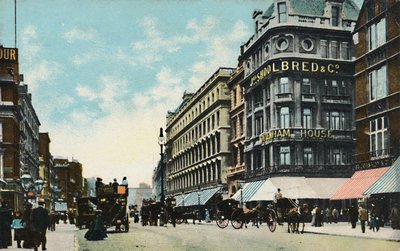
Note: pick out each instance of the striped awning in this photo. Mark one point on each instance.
(179, 200)
(248, 190)
(355, 187)
(196, 198)
(389, 182)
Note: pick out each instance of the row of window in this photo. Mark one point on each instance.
(207, 101)
(198, 153)
(237, 126)
(203, 175)
(334, 120)
(201, 129)
(327, 49)
(330, 87)
(332, 156)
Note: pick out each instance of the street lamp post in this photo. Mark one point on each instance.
(161, 142)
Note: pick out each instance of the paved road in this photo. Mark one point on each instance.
(210, 237)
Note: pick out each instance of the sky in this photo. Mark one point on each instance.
(104, 73)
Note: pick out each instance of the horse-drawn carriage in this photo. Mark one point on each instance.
(262, 213)
(271, 213)
(182, 214)
(225, 209)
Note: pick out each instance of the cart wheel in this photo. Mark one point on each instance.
(221, 220)
(179, 220)
(237, 219)
(271, 220)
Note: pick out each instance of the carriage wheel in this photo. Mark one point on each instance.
(237, 219)
(221, 220)
(179, 220)
(271, 220)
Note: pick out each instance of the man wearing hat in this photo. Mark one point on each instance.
(40, 222)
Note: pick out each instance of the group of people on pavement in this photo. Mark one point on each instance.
(29, 227)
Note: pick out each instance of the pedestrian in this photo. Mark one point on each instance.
(96, 231)
(363, 216)
(375, 218)
(71, 216)
(40, 221)
(124, 183)
(99, 185)
(5, 225)
(335, 215)
(115, 185)
(52, 221)
(328, 215)
(18, 226)
(207, 216)
(27, 236)
(395, 216)
(353, 214)
(314, 216)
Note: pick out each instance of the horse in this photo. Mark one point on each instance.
(296, 216)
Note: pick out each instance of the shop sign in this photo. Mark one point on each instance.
(8, 54)
(304, 133)
(375, 163)
(295, 65)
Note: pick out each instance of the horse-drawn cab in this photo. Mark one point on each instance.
(261, 213)
(291, 212)
(225, 209)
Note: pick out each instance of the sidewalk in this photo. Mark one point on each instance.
(63, 239)
(344, 229)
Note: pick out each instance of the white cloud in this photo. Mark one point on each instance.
(78, 34)
(122, 142)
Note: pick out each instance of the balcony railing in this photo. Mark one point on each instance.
(336, 99)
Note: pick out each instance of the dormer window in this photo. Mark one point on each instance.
(282, 12)
(335, 16)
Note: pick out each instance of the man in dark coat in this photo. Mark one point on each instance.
(5, 225)
(353, 213)
(40, 222)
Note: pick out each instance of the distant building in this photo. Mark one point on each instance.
(69, 180)
(47, 172)
(137, 194)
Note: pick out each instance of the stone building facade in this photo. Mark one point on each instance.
(299, 90)
(238, 131)
(10, 167)
(377, 40)
(47, 172)
(198, 134)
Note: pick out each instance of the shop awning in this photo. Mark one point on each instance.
(179, 200)
(196, 198)
(291, 187)
(324, 188)
(389, 182)
(249, 189)
(355, 187)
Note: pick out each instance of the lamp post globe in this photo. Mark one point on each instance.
(39, 183)
(26, 181)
